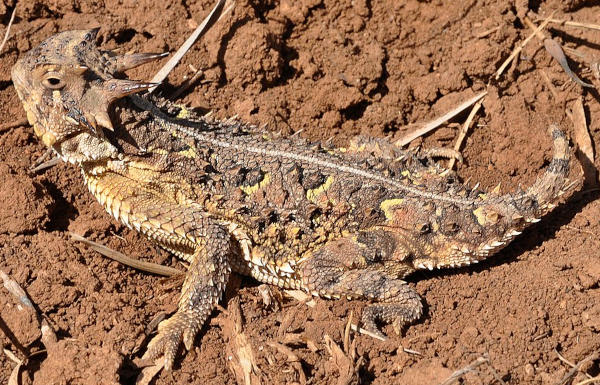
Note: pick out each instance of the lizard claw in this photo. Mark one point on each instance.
(171, 332)
(399, 315)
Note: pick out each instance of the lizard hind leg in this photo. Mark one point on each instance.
(347, 268)
(203, 286)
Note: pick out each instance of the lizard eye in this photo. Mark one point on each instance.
(423, 228)
(53, 81)
(451, 227)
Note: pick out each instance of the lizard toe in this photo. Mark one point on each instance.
(171, 332)
(397, 314)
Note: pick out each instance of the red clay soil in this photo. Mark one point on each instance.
(327, 69)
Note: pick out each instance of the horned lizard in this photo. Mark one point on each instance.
(224, 196)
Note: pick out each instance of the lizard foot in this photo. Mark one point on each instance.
(181, 327)
(406, 308)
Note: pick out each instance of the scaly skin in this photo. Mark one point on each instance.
(225, 197)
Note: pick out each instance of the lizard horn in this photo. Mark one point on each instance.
(114, 89)
(126, 62)
(91, 34)
(103, 94)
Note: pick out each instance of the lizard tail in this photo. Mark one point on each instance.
(551, 186)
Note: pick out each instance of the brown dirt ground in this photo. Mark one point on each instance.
(329, 69)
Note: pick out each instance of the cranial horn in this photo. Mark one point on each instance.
(114, 89)
(102, 94)
(79, 69)
(126, 62)
(103, 119)
(91, 34)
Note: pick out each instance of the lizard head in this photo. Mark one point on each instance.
(67, 85)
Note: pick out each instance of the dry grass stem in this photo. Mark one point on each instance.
(47, 164)
(347, 332)
(12, 356)
(14, 375)
(345, 362)
(15, 289)
(357, 329)
(574, 24)
(149, 267)
(517, 50)
(571, 373)
(7, 33)
(208, 22)
(426, 127)
(549, 84)
(582, 134)
(590, 381)
(467, 369)
(410, 351)
(292, 358)
(16, 123)
(539, 34)
(488, 32)
(186, 84)
(463, 132)
(563, 359)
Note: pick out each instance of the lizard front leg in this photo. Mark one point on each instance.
(347, 267)
(203, 286)
(184, 229)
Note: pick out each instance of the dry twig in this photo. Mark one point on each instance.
(346, 362)
(574, 24)
(187, 84)
(488, 32)
(571, 373)
(47, 164)
(367, 332)
(426, 127)
(469, 368)
(208, 22)
(582, 135)
(6, 34)
(149, 267)
(519, 48)
(16, 123)
(539, 34)
(463, 132)
(590, 381)
(239, 349)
